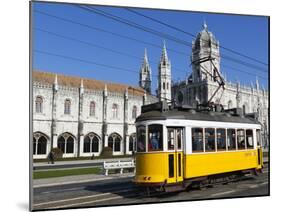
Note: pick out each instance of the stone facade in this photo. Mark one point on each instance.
(200, 86)
(81, 116)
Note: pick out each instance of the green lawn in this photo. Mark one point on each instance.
(65, 172)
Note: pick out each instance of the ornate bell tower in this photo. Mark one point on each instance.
(145, 74)
(164, 76)
(205, 46)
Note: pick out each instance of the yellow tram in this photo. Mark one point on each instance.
(178, 146)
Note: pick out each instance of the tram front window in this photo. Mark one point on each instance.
(258, 133)
(141, 143)
(155, 137)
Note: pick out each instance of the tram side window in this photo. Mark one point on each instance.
(231, 139)
(249, 139)
(197, 140)
(155, 137)
(258, 132)
(221, 140)
(210, 140)
(141, 143)
(241, 139)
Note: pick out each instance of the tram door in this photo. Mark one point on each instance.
(175, 155)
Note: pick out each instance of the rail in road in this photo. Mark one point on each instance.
(123, 191)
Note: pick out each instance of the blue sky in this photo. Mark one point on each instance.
(245, 34)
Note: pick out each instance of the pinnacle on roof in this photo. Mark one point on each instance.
(145, 59)
(145, 64)
(205, 26)
(164, 56)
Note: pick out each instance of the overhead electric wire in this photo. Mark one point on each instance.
(194, 36)
(89, 62)
(235, 69)
(157, 33)
(122, 36)
(135, 25)
(98, 46)
(122, 53)
(106, 31)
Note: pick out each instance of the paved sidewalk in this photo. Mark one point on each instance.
(77, 162)
(77, 179)
(83, 178)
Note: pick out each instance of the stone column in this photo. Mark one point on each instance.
(127, 137)
(238, 95)
(126, 118)
(54, 136)
(80, 138)
(104, 127)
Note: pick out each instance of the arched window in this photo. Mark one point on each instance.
(66, 143)
(39, 104)
(132, 142)
(67, 106)
(92, 108)
(114, 111)
(134, 112)
(70, 145)
(114, 141)
(34, 146)
(95, 144)
(39, 144)
(87, 144)
(91, 143)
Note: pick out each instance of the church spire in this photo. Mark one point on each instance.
(145, 74)
(145, 59)
(164, 56)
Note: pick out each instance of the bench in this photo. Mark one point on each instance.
(111, 165)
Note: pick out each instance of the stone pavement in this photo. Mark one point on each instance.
(55, 181)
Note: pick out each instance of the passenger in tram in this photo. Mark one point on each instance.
(154, 142)
(141, 146)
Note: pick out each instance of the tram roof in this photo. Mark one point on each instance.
(177, 113)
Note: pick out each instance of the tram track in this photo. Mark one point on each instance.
(126, 193)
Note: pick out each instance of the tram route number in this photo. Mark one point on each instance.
(249, 154)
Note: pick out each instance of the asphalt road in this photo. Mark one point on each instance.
(122, 192)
